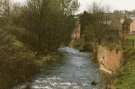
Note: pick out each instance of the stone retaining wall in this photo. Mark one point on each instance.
(109, 60)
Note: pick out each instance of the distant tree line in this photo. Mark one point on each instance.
(96, 28)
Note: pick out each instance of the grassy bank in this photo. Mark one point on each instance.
(16, 68)
(126, 79)
(18, 64)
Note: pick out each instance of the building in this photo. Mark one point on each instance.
(132, 27)
(129, 33)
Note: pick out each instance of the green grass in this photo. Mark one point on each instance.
(131, 37)
(127, 78)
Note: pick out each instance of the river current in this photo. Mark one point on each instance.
(73, 71)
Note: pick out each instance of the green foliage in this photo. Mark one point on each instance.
(46, 26)
(40, 27)
(16, 62)
(96, 30)
(132, 37)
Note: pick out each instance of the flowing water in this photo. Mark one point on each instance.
(74, 71)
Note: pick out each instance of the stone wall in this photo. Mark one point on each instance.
(109, 60)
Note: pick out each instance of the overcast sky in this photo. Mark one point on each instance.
(112, 4)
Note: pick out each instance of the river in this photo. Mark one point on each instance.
(74, 71)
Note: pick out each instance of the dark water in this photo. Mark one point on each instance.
(74, 71)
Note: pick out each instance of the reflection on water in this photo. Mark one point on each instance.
(74, 71)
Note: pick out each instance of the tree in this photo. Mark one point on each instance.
(4, 11)
(4, 7)
(69, 6)
(45, 23)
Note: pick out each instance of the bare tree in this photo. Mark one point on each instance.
(69, 6)
(4, 7)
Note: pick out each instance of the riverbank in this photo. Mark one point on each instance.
(21, 67)
(109, 61)
(18, 64)
(126, 79)
(40, 61)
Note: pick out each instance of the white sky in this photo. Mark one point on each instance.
(112, 4)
